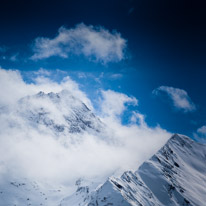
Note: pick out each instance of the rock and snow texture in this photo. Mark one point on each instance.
(62, 117)
(23, 192)
(59, 115)
(71, 114)
(175, 175)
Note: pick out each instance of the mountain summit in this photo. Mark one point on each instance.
(61, 112)
(175, 175)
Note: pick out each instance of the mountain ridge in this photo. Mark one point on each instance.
(159, 181)
(174, 175)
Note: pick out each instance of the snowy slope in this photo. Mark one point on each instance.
(175, 175)
(61, 116)
(61, 112)
(57, 114)
(23, 192)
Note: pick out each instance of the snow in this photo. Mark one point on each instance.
(61, 112)
(175, 175)
(20, 192)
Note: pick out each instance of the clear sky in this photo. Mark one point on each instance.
(152, 50)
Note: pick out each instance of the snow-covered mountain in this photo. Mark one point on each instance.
(175, 175)
(24, 192)
(71, 114)
(62, 117)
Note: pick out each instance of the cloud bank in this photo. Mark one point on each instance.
(29, 149)
(179, 98)
(95, 43)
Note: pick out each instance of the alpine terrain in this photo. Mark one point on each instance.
(174, 176)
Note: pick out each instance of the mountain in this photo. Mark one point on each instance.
(24, 192)
(59, 114)
(175, 175)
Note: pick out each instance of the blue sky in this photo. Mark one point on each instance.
(155, 52)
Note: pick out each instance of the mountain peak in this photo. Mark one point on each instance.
(60, 112)
(161, 180)
(180, 138)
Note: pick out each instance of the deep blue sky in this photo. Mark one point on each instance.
(166, 45)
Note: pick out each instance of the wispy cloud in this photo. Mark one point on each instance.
(95, 43)
(42, 72)
(14, 57)
(116, 76)
(99, 77)
(200, 134)
(202, 130)
(10, 57)
(6, 54)
(179, 97)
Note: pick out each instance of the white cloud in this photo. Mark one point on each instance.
(116, 76)
(202, 130)
(38, 153)
(95, 43)
(114, 103)
(138, 118)
(200, 134)
(42, 72)
(10, 83)
(13, 87)
(179, 97)
(82, 75)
